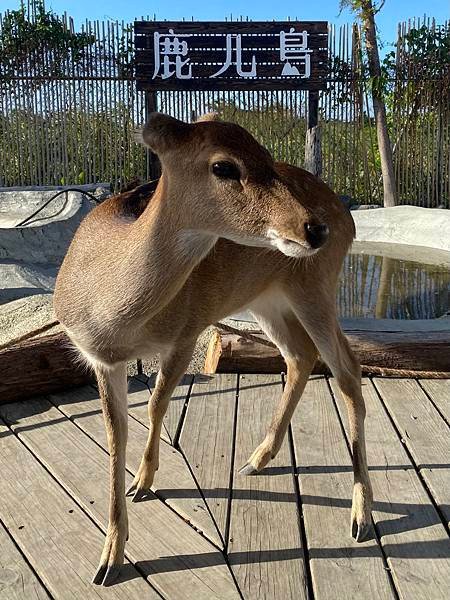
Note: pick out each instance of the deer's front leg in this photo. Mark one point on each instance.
(113, 392)
(173, 366)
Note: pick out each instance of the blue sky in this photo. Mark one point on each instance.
(328, 10)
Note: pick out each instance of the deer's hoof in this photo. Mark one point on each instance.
(140, 495)
(137, 493)
(360, 532)
(143, 481)
(106, 575)
(361, 522)
(113, 553)
(248, 469)
(131, 489)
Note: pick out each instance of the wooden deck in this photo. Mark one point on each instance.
(210, 533)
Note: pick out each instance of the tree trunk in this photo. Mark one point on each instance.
(39, 366)
(409, 350)
(379, 109)
(384, 287)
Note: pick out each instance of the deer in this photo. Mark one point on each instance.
(227, 228)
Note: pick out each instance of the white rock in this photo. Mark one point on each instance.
(47, 236)
(410, 225)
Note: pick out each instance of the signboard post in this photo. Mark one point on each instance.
(214, 56)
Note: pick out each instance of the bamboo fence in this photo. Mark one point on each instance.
(77, 127)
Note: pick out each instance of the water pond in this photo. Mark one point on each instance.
(382, 287)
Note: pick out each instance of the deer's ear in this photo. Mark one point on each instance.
(211, 116)
(162, 132)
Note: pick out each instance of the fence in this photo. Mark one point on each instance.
(74, 123)
(420, 113)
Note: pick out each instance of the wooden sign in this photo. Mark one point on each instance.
(231, 56)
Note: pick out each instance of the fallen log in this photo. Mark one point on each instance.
(47, 364)
(391, 351)
(40, 365)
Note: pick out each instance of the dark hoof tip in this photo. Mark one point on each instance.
(360, 533)
(130, 490)
(247, 469)
(99, 575)
(111, 575)
(139, 495)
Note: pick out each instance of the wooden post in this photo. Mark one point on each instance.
(313, 146)
(313, 109)
(153, 164)
(153, 167)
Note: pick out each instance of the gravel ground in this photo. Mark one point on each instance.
(24, 315)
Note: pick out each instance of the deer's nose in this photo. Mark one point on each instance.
(316, 235)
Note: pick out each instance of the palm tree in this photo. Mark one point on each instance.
(366, 12)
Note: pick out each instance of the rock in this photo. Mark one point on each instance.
(410, 225)
(19, 279)
(24, 315)
(30, 255)
(364, 206)
(46, 237)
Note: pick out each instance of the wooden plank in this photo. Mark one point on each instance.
(424, 432)
(265, 550)
(144, 43)
(215, 56)
(207, 440)
(173, 481)
(439, 392)
(144, 82)
(17, 580)
(57, 538)
(139, 394)
(326, 483)
(413, 537)
(177, 560)
(140, 388)
(255, 27)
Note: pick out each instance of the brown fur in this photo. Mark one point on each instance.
(147, 272)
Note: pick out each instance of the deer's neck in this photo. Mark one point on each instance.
(165, 248)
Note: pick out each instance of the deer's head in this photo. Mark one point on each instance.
(225, 183)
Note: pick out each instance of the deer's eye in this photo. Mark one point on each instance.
(226, 170)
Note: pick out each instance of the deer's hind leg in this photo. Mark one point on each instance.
(112, 384)
(320, 321)
(300, 354)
